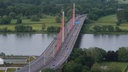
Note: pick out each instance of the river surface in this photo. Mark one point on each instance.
(35, 44)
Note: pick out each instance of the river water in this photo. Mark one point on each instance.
(35, 44)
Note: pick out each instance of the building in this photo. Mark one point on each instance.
(15, 60)
(1, 61)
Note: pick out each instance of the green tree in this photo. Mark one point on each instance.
(5, 20)
(48, 70)
(97, 28)
(12, 15)
(58, 19)
(19, 21)
(97, 54)
(43, 27)
(21, 28)
(35, 18)
(2, 54)
(72, 67)
(123, 54)
(110, 28)
(53, 29)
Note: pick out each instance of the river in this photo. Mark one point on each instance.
(35, 44)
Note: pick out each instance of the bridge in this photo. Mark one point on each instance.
(60, 48)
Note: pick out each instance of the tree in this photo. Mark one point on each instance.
(123, 54)
(97, 54)
(35, 18)
(110, 28)
(21, 28)
(53, 29)
(72, 67)
(58, 19)
(5, 20)
(43, 27)
(12, 15)
(117, 29)
(19, 21)
(97, 28)
(48, 70)
(111, 56)
(2, 54)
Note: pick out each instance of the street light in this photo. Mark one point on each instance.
(29, 63)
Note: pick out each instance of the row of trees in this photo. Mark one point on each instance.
(25, 28)
(122, 15)
(53, 29)
(82, 60)
(106, 28)
(95, 9)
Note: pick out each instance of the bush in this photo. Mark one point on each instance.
(53, 29)
(5, 20)
(21, 28)
(35, 18)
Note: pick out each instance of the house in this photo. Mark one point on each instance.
(1, 61)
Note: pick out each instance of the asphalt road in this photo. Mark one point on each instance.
(47, 58)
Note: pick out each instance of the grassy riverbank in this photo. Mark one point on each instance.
(109, 20)
(120, 66)
(48, 21)
(123, 1)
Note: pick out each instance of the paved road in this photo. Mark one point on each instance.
(47, 58)
(67, 46)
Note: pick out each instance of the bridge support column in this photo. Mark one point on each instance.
(63, 27)
(73, 15)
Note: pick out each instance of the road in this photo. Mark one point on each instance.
(47, 58)
(67, 46)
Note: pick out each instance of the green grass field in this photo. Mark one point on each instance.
(123, 1)
(120, 65)
(2, 71)
(36, 25)
(109, 20)
(11, 70)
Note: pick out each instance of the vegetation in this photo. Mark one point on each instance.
(32, 12)
(48, 70)
(2, 71)
(109, 67)
(97, 60)
(11, 70)
(37, 26)
(106, 24)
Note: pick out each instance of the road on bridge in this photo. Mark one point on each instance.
(48, 59)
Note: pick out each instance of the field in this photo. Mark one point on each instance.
(123, 1)
(2, 71)
(36, 25)
(109, 20)
(114, 65)
(11, 70)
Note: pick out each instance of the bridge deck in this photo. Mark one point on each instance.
(47, 58)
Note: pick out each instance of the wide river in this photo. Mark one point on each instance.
(35, 44)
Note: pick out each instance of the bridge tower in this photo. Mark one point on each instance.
(63, 28)
(73, 15)
(61, 36)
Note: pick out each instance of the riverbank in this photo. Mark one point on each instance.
(105, 25)
(28, 25)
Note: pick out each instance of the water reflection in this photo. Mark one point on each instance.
(105, 41)
(24, 44)
(35, 44)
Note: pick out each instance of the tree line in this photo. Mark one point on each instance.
(28, 28)
(82, 60)
(26, 8)
(106, 28)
